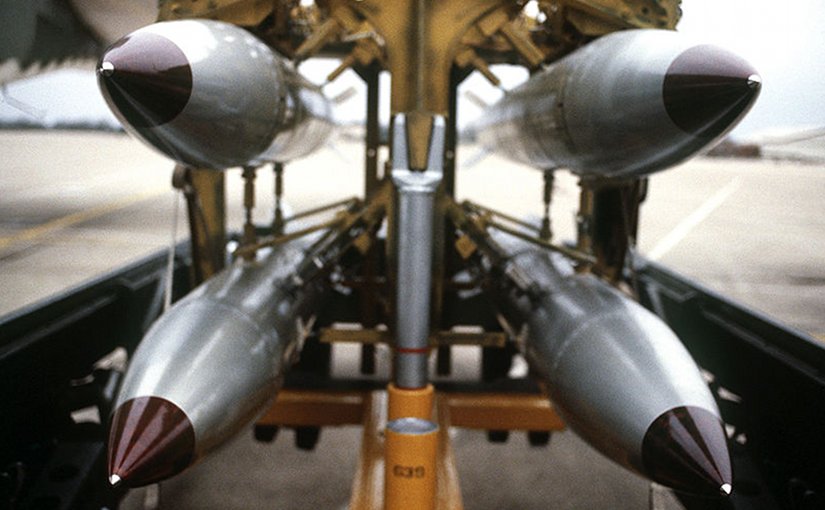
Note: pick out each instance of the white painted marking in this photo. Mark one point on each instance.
(691, 221)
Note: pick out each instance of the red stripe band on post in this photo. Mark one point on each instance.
(408, 350)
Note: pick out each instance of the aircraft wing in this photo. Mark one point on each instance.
(42, 35)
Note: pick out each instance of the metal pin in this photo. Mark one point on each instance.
(106, 68)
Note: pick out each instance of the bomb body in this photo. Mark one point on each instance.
(209, 94)
(619, 376)
(208, 366)
(627, 104)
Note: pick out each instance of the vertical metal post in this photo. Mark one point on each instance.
(249, 235)
(546, 229)
(371, 76)
(278, 217)
(444, 262)
(584, 222)
(206, 205)
(416, 204)
(615, 223)
(451, 133)
(373, 136)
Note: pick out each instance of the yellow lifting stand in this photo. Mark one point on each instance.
(410, 449)
(406, 463)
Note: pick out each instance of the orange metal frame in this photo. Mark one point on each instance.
(373, 409)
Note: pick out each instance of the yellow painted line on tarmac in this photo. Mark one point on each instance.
(33, 233)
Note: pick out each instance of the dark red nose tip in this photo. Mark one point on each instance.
(707, 89)
(150, 439)
(686, 449)
(145, 78)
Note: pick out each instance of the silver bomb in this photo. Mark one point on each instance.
(619, 376)
(208, 366)
(211, 95)
(627, 104)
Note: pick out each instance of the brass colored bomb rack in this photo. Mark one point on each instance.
(428, 48)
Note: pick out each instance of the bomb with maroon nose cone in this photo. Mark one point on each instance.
(211, 95)
(618, 375)
(625, 105)
(209, 365)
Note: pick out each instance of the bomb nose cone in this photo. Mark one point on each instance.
(150, 439)
(145, 78)
(686, 449)
(707, 89)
